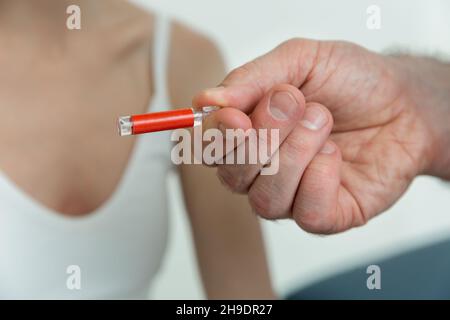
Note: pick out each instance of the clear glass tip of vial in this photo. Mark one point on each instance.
(201, 113)
(209, 109)
(125, 126)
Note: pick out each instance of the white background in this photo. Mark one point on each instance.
(247, 28)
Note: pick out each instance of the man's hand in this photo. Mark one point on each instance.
(355, 128)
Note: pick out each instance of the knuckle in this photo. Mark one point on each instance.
(266, 201)
(234, 181)
(239, 72)
(293, 42)
(295, 148)
(322, 172)
(259, 202)
(313, 222)
(297, 44)
(243, 72)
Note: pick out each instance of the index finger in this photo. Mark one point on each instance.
(289, 63)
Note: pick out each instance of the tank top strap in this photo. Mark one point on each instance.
(161, 50)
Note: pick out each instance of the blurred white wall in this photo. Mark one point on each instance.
(247, 28)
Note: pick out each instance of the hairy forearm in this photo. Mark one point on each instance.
(428, 84)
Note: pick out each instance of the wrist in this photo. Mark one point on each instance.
(428, 86)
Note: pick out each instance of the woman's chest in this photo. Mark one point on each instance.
(59, 141)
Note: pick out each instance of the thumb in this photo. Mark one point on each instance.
(289, 63)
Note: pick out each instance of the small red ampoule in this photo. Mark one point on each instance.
(166, 120)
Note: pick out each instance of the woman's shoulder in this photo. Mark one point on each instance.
(123, 28)
(196, 62)
(185, 41)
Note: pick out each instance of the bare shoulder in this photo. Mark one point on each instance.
(127, 13)
(195, 64)
(125, 27)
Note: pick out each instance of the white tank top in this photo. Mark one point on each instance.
(112, 253)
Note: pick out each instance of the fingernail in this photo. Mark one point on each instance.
(314, 118)
(282, 105)
(328, 148)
